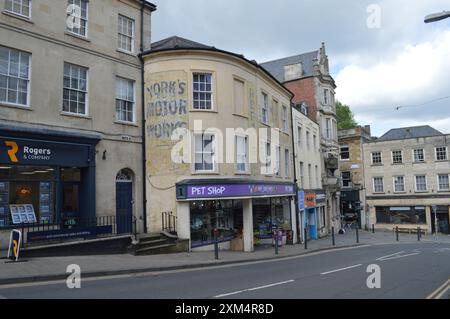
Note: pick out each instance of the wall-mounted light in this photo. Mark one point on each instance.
(104, 155)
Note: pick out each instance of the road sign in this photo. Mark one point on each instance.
(15, 240)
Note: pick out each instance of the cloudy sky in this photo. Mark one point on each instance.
(397, 61)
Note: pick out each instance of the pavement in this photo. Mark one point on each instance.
(55, 268)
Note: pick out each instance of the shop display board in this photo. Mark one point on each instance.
(4, 202)
(22, 214)
(45, 202)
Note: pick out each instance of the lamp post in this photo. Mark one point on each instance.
(437, 16)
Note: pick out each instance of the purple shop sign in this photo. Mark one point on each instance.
(238, 190)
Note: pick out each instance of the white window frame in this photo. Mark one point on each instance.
(20, 14)
(70, 2)
(308, 142)
(392, 157)
(119, 33)
(415, 184)
(448, 184)
(245, 155)
(436, 153)
(414, 155)
(118, 78)
(287, 171)
(18, 77)
(299, 136)
(278, 161)
(350, 179)
(265, 108)
(86, 92)
(200, 91)
(302, 175)
(316, 172)
(326, 98)
(310, 177)
(393, 183)
(382, 184)
(203, 152)
(328, 128)
(381, 158)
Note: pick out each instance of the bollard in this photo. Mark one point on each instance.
(418, 233)
(396, 232)
(373, 228)
(332, 236)
(357, 234)
(216, 247)
(306, 239)
(275, 235)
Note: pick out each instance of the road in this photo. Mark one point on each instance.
(407, 271)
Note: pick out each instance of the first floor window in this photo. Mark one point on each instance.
(376, 158)
(75, 89)
(126, 34)
(443, 180)
(346, 179)
(14, 76)
(421, 183)
(378, 186)
(204, 152)
(399, 184)
(265, 109)
(241, 154)
(397, 157)
(284, 118)
(345, 152)
(203, 93)
(286, 162)
(21, 7)
(124, 100)
(419, 155)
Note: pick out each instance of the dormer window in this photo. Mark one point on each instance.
(293, 71)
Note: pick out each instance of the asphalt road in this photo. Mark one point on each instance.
(407, 271)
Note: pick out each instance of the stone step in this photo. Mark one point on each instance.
(159, 249)
(151, 242)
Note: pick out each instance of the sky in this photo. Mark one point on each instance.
(381, 53)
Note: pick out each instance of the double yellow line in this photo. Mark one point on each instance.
(439, 293)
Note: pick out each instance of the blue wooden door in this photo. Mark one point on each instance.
(124, 207)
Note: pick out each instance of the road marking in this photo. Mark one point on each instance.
(255, 288)
(387, 256)
(397, 257)
(336, 270)
(438, 293)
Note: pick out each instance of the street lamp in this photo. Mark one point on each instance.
(437, 16)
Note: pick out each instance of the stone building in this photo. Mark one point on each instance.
(308, 77)
(407, 173)
(351, 166)
(70, 110)
(221, 189)
(308, 166)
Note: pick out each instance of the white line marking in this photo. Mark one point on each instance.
(439, 292)
(387, 256)
(255, 288)
(396, 257)
(331, 271)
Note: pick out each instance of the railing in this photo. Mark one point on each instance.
(169, 222)
(76, 228)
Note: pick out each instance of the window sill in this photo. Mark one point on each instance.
(202, 111)
(77, 36)
(403, 192)
(16, 106)
(345, 159)
(265, 124)
(398, 163)
(423, 162)
(446, 160)
(379, 193)
(421, 192)
(443, 190)
(80, 116)
(377, 165)
(17, 16)
(241, 115)
(205, 173)
(242, 173)
(127, 52)
(126, 123)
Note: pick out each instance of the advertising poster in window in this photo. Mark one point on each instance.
(45, 201)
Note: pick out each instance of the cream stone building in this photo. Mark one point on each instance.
(233, 199)
(70, 110)
(407, 173)
(308, 166)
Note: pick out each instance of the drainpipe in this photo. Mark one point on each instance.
(144, 153)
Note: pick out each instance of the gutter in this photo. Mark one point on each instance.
(295, 176)
(144, 153)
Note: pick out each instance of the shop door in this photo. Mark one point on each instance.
(124, 202)
(442, 220)
(71, 203)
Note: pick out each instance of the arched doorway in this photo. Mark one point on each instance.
(124, 201)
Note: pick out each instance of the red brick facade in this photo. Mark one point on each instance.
(304, 91)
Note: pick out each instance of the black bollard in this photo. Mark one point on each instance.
(373, 229)
(396, 232)
(306, 239)
(418, 233)
(275, 235)
(216, 248)
(332, 236)
(357, 234)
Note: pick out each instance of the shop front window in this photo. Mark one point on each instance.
(27, 195)
(71, 178)
(401, 215)
(270, 214)
(225, 216)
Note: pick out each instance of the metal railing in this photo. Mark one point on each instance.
(169, 222)
(120, 225)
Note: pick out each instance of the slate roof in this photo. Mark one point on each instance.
(409, 132)
(178, 43)
(276, 67)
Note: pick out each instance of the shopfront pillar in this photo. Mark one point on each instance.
(183, 220)
(294, 221)
(247, 206)
(428, 218)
